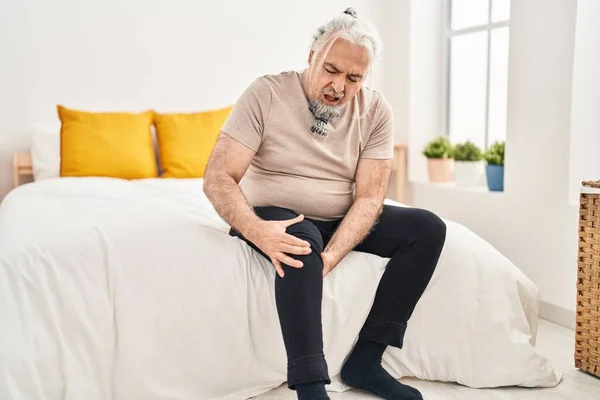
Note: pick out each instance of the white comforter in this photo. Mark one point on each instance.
(134, 290)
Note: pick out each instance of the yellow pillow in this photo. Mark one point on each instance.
(107, 144)
(185, 141)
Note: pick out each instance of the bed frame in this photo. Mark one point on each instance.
(400, 167)
(23, 171)
(22, 168)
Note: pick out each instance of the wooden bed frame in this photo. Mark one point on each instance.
(22, 169)
(400, 167)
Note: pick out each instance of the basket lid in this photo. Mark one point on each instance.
(592, 184)
(590, 187)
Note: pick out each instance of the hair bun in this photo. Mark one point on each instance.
(351, 12)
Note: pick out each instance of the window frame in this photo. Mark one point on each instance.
(448, 34)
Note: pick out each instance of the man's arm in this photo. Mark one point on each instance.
(372, 177)
(226, 167)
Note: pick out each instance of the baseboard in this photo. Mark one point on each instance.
(557, 314)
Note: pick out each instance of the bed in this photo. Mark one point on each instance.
(119, 289)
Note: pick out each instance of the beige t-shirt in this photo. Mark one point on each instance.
(292, 167)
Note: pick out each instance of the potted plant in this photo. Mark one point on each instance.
(494, 170)
(468, 164)
(440, 164)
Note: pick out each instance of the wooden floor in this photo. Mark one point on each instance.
(554, 341)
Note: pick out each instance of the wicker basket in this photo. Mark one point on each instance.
(587, 333)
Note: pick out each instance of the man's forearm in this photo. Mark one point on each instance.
(230, 203)
(354, 227)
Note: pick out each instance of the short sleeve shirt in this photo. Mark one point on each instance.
(292, 167)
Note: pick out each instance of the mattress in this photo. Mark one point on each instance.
(113, 289)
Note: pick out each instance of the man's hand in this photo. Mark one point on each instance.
(371, 185)
(271, 237)
(329, 262)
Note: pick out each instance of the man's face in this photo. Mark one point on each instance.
(342, 75)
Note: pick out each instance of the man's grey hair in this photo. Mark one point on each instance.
(348, 26)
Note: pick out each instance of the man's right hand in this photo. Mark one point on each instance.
(227, 165)
(271, 237)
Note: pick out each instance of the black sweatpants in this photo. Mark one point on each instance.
(412, 239)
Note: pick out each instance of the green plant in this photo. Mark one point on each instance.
(494, 155)
(439, 148)
(467, 151)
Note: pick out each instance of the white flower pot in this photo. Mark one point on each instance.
(469, 173)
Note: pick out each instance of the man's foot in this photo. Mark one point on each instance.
(312, 391)
(363, 370)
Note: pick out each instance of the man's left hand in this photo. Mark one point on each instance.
(329, 262)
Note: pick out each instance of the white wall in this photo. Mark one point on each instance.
(183, 55)
(585, 120)
(532, 222)
(397, 68)
(425, 89)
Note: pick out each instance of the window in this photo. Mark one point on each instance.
(476, 42)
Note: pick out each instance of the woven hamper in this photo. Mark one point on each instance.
(587, 333)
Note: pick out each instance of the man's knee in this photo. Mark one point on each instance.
(429, 227)
(312, 263)
(304, 230)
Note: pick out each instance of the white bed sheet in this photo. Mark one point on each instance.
(113, 289)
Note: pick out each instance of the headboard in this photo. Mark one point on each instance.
(22, 169)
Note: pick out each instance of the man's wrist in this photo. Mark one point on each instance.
(335, 253)
(249, 226)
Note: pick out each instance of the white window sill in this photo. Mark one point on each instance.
(452, 186)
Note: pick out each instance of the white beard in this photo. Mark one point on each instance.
(323, 114)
